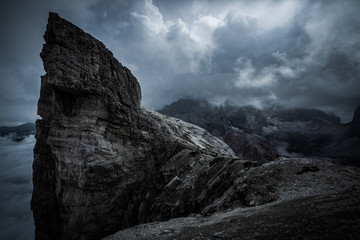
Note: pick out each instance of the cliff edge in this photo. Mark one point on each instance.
(102, 162)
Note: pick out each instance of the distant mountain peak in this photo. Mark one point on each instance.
(255, 133)
(18, 133)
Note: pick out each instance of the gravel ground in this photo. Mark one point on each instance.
(310, 199)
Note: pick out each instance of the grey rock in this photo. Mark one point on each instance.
(101, 161)
(263, 135)
(289, 198)
(250, 146)
(344, 141)
(239, 127)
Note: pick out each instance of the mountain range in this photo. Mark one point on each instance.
(263, 135)
(17, 133)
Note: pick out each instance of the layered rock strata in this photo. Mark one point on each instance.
(309, 199)
(104, 163)
(239, 127)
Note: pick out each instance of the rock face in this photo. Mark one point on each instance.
(263, 135)
(345, 141)
(304, 199)
(102, 162)
(250, 146)
(239, 127)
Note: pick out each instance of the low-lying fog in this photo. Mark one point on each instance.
(16, 222)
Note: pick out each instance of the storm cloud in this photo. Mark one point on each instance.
(293, 53)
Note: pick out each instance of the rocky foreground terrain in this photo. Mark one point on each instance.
(102, 163)
(289, 198)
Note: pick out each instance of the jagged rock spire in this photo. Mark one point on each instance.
(101, 162)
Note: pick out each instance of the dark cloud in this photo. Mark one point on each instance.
(297, 53)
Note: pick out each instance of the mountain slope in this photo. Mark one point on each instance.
(101, 161)
(18, 133)
(301, 199)
(262, 135)
(240, 128)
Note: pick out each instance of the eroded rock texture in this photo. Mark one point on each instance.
(102, 162)
(239, 127)
(289, 198)
(263, 135)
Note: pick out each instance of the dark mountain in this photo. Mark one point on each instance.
(239, 127)
(255, 134)
(18, 133)
(302, 114)
(344, 141)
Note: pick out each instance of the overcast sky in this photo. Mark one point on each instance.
(295, 53)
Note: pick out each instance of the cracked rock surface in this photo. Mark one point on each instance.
(289, 198)
(103, 163)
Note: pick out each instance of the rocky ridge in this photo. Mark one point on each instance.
(239, 127)
(263, 135)
(103, 163)
(290, 198)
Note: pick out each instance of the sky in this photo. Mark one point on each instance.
(295, 53)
